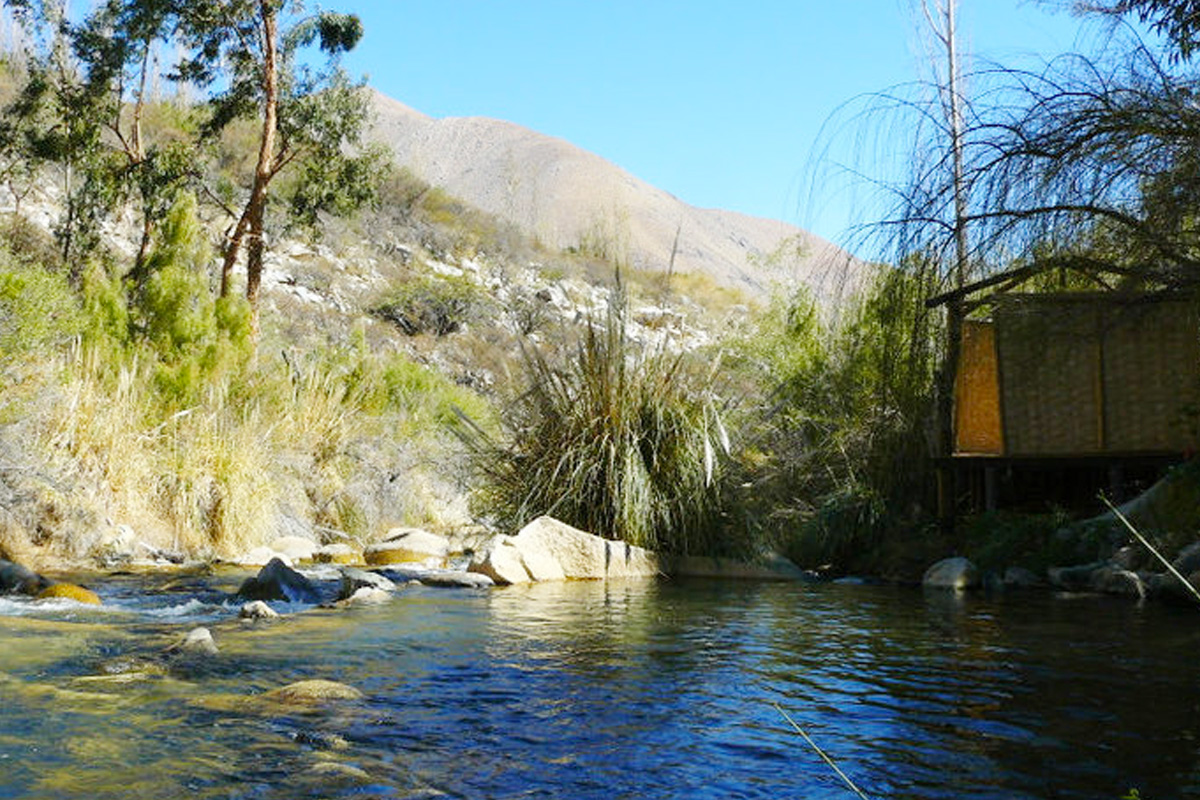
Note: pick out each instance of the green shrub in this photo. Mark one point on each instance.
(38, 309)
(847, 526)
(434, 305)
(617, 441)
(996, 540)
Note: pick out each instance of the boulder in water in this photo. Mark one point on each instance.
(198, 641)
(337, 554)
(18, 579)
(257, 609)
(955, 573)
(549, 550)
(501, 562)
(355, 579)
(278, 581)
(1114, 580)
(407, 545)
(312, 692)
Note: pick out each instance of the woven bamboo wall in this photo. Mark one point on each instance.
(1085, 374)
(1151, 358)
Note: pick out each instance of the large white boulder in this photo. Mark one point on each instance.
(549, 550)
(501, 561)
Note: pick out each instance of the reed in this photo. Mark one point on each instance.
(624, 441)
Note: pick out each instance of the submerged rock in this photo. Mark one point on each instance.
(312, 692)
(278, 581)
(18, 579)
(955, 573)
(332, 770)
(70, 591)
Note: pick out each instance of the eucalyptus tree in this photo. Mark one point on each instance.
(54, 118)
(85, 88)
(267, 60)
(115, 46)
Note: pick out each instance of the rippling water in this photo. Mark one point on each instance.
(587, 690)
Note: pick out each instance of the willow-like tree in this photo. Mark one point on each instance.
(1088, 164)
(274, 64)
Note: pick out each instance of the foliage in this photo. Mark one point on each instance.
(839, 451)
(38, 310)
(311, 116)
(619, 441)
(434, 305)
(996, 540)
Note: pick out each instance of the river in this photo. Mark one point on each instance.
(593, 690)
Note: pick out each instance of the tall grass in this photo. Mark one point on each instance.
(621, 441)
(146, 406)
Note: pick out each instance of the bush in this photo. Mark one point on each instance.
(840, 446)
(616, 441)
(434, 305)
(37, 309)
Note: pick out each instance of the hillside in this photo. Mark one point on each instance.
(568, 198)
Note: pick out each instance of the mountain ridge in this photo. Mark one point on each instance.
(570, 198)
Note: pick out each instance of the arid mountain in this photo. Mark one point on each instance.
(567, 197)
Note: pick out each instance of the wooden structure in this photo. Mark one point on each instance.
(1058, 396)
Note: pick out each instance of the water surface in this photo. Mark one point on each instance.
(592, 690)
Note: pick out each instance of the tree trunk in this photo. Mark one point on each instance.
(256, 206)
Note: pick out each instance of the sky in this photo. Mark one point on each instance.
(717, 103)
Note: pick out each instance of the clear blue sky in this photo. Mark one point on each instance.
(717, 103)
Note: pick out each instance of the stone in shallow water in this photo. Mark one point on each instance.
(407, 545)
(355, 579)
(198, 641)
(366, 596)
(278, 581)
(18, 579)
(257, 609)
(337, 554)
(952, 573)
(338, 772)
(312, 691)
(70, 591)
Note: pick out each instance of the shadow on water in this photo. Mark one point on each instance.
(593, 690)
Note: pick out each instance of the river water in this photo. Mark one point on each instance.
(593, 690)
